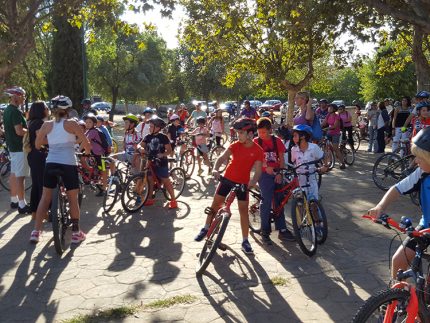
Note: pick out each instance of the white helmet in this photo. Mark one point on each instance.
(61, 102)
(15, 90)
(174, 117)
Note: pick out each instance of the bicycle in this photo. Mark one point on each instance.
(218, 227)
(116, 185)
(404, 148)
(327, 147)
(347, 153)
(358, 137)
(5, 168)
(390, 168)
(404, 301)
(290, 188)
(136, 189)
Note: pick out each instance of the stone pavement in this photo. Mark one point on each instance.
(151, 255)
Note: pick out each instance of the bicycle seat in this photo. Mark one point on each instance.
(56, 172)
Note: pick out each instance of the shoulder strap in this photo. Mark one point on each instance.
(275, 145)
(260, 142)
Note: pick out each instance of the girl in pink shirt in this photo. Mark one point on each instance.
(201, 133)
(332, 124)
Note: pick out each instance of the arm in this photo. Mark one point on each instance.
(309, 116)
(78, 132)
(394, 119)
(221, 159)
(20, 130)
(258, 170)
(389, 197)
(41, 138)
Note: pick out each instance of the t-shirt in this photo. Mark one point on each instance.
(249, 113)
(418, 180)
(321, 114)
(372, 115)
(243, 159)
(94, 138)
(201, 135)
(313, 153)
(143, 129)
(270, 157)
(331, 120)
(131, 139)
(173, 131)
(155, 144)
(346, 118)
(183, 114)
(419, 123)
(12, 117)
(195, 114)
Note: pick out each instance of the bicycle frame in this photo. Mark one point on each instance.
(290, 189)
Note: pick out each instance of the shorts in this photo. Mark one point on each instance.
(19, 164)
(202, 149)
(161, 171)
(225, 186)
(69, 175)
(335, 139)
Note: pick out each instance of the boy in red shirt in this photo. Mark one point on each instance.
(245, 155)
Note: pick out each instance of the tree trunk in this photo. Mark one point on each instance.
(422, 68)
(292, 91)
(126, 107)
(115, 90)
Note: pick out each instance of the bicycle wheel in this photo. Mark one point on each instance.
(303, 225)
(111, 194)
(320, 219)
(4, 175)
(177, 178)
(135, 193)
(188, 162)
(348, 155)
(387, 171)
(319, 180)
(213, 239)
(387, 306)
(329, 158)
(356, 139)
(254, 213)
(213, 156)
(57, 209)
(224, 138)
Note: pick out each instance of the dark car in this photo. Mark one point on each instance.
(229, 106)
(271, 104)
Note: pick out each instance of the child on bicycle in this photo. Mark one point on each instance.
(201, 134)
(245, 155)
(274, 150)
(216, 125)
(157, 148)
(419, 181)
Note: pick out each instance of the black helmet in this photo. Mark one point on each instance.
(422, 139)
(201, 120)
(86, 101)
(247, 124)
(157, 122)
(90, 116)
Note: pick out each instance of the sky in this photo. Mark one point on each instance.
(168, 28)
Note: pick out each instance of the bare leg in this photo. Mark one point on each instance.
(42, 208)
(13, 185)
(244, 218)
(401, 260)
(72, 196)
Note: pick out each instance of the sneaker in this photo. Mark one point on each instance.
(78, 237)
(246, 247)
(266, 240)
(13, 205)
(173, 204)
(149, 202)
(286, 235)
(35, 236)
(201, 235)
(24, 210)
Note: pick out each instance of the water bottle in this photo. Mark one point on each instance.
(405, 222)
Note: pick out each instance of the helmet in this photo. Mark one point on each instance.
(422, 139)
(421, 105)
(266, 114)
(61, 102)
(323, 101)
(132, 118)
(101, 118)
(174, 117)
(81, 122)
(247, 124)
(148, 110)
(157, 122)
(304, 129)
(86, 101)
(15, 90)
(91, 116)
(201, 120)
(334, 105)
(423, 95)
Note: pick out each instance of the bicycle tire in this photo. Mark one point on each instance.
(385, 173)
(177, 178)
(303, 225)
(188, 162)
(254, 213)
(130, 197)
(213, 156)
(4, 175)
(329, 157)
(57, 221)
(380, 302)
(212, 242)
(348, 155)
(356, 139)
(111, 195)
(319, 180)
(321, 226)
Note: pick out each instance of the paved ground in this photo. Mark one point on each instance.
(135, 259)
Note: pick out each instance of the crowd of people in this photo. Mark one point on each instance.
(260, 146)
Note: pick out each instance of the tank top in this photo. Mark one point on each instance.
(61, 145)
(216, 126)
(402, 116)
(300, 118)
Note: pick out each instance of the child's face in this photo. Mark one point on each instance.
(425, 112)
(127, 124)
(423, 164)
(89, 124)
(176, 122)
(242, 136)
(263, 133)
(296, 138)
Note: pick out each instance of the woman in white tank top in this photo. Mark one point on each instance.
(61, 135)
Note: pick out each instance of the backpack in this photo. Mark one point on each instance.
(103, 142)
(316, 129)
(274, 144)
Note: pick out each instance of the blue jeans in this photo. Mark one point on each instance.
(267, 187)
(372, 146)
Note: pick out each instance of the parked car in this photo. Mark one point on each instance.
(339, 102)
(254, 104)
(3, 106)
(271, 104)
(101, 106)
(228, 106)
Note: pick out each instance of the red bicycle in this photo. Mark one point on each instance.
(404, 301)
(217, 228)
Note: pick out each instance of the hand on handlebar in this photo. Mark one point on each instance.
(216, 174)
(375, 211)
